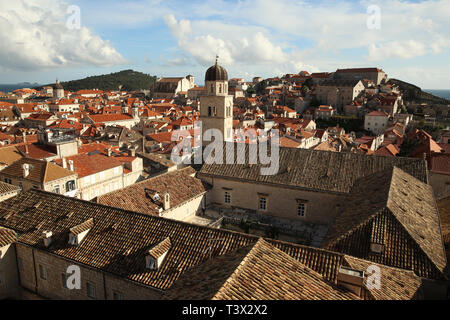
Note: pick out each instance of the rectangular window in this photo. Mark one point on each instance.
(227, 197)
(263, 203)
(90, 290)
(301, 209)
(42, 272)
(56, 189)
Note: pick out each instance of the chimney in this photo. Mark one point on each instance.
(351, 279)
(64, 163)
(109, 152)
(132, 152)
(47, 238)
(26, 170)
(71, 167)
(24, 135)
(166, 201)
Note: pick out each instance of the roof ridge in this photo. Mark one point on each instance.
(124, 211)
(260, 245)
(350, 231)
(407, 227)
(147, 180)
(241, 265)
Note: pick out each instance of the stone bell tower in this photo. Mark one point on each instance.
(216, 107)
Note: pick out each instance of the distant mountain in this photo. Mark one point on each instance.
(127, 80)
(11, 87)
(412, 93)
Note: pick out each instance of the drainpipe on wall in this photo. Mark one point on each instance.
(35, 274)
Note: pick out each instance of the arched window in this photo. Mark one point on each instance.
(220, 88)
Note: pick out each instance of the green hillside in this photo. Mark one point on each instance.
(412, 93)
(127, 80)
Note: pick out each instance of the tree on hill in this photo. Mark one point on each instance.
(127, 80)
(407, 147)
(250, 91)
(308, 83)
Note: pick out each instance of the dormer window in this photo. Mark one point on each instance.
(157, 254)
(351, 279)
(79, 232)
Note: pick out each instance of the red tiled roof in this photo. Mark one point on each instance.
(85, 164)
(377, 114)
(288, 143)
(389, 150)
(36, 151)
(102, 118)
(164, 136)
(440, 163)
(180, 186)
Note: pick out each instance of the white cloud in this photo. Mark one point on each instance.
(397, 49)
(34, 36)
(237, 45)
(408, 29)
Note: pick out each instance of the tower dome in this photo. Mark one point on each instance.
(216, 73)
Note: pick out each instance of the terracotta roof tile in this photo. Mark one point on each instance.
(82, 227)
(243, 275)
(40, 171)
(396, 210)
(87, 164)
(7, 236)
(6, 188)
(119, 242)
(316, 170)
(180, 186)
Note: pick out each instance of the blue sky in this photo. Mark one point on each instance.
(408, 39)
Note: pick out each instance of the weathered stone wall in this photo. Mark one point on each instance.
(281, 201)
(52, 287)
(9, 284)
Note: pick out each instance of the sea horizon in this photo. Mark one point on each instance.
(442, 93)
